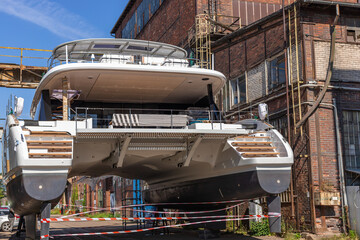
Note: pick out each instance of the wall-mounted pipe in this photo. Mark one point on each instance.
(344, 202)
(328, 74)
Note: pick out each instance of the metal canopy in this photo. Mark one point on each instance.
(83, 49)
(354, 170)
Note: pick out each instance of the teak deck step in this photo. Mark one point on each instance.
(49, 133)
(259, 153)
(48, 141)
(252, 137)
(246, 148)
(253, 143)
(49, 146)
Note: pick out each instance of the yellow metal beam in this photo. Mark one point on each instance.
(19, 75)
(27, 49)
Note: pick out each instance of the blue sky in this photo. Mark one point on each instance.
(44, 24)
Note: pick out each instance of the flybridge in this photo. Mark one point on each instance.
(118, 51)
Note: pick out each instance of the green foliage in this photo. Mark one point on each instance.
(100, 215)
(2, 193)
(84, 198)
(292, 236)
(353, 235)
(55, 211)
(230, 224)
(2, 190)
(260, 228)
(74, 195)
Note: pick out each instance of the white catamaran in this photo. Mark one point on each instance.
(136, 109)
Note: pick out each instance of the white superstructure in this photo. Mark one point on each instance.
(138, 110)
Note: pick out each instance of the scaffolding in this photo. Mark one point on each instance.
(19, 75)
(209, 27)
(202, 41)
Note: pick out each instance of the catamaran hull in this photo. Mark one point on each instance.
(244, 185)
(27, 193)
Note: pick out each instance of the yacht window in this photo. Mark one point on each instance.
(141, 48)
(111, 46)
(276, 72)
(137, 59)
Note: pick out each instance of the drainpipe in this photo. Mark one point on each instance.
(344, 202)
(328, 74)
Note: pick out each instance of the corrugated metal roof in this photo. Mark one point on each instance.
(353, 170)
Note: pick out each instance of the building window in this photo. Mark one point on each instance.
(353, 34)
(143, 13)
(351, 142)
(276, 76)
(238, 90)
(280, 124)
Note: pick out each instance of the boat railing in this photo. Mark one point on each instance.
(110, 58)
(152, 118)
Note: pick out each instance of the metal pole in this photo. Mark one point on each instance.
(297, 67)
(76, 117)
(130, 118)
(287, 99)
(291, 73)
(341, 167)
(65, 87)
(66, 54)
(21, 65)
(171, 118)
(220, 120)
(86, 122)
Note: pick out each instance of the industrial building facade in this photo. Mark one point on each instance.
(303, 60)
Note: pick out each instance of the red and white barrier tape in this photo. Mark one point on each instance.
(157, 204)
(48, 220)
(149, 229)
(193, 212)
(162, 212)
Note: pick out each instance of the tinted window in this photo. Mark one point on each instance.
(4, 212)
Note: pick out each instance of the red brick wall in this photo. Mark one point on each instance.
(170, 23)
(251, 48)
(315, 167)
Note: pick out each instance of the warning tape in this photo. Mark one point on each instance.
(149, 229)
(48, 220)
(193, 212)
(162, 212)
(158, 204)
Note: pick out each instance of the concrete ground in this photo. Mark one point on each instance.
(83, 227)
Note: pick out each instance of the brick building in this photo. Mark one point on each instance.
(173, 19)
(282, 58)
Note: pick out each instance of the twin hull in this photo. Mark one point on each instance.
(179, 165)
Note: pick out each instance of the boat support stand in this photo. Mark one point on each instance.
(30, 226)
(45, 213)
(274, 207)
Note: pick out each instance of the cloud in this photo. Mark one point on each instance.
(51, 16)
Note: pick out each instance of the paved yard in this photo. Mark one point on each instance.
(84, 227)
